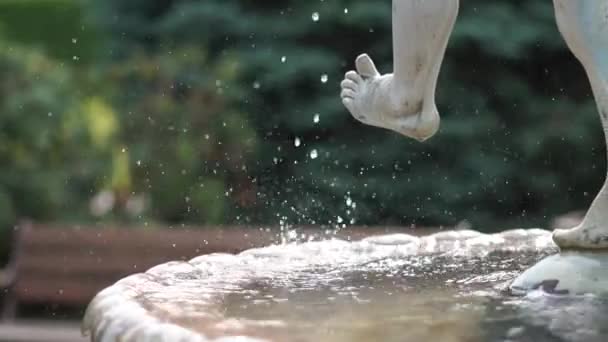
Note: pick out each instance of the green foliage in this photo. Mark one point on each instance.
(55, 26)
(43, 138)
(518, 120)
(182, 147)
(196, 115)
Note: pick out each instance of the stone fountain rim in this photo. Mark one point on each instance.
(115, 315)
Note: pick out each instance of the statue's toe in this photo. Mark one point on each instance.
(366, 67)
(564, 238)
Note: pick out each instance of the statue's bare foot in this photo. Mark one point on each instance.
(584, 236)
(375, 100)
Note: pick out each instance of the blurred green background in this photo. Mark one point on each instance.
(227, 112)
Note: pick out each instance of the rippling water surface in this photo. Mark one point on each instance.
(446, 287)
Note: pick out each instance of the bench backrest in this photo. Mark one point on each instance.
(69, 266)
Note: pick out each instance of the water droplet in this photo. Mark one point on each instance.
(316, 16)
(314, 154)
(316, 118)
(324, 78)
(256, 85)
(283, 59)
(297, 142)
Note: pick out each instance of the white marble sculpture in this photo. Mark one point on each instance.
(405, 100)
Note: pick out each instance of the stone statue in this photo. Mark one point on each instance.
(405, 100)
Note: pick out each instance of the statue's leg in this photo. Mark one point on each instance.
(405, 100)
(584, 25)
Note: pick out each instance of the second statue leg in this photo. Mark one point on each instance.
(584, 25)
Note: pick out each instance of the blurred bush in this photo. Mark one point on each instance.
(57, 27)
(518, 116)
(182, 149)
(49, 164)
(116, 141)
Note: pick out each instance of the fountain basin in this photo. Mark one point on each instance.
(450, 286)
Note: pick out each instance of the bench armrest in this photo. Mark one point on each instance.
(7, 278)
(8, 274)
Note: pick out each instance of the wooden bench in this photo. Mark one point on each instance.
(67, 266)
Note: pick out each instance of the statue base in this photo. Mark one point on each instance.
(567, 273)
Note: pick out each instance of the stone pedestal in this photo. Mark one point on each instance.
(567, 273)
